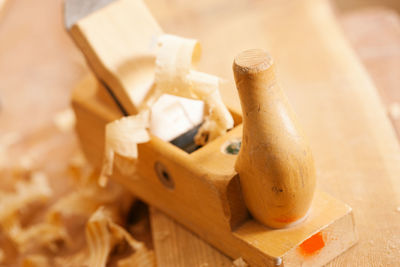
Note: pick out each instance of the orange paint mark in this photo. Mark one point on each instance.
(285, 220)
(312, 245)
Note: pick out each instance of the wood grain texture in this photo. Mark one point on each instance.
(177, 247)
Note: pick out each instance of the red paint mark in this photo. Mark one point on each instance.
(312, 245)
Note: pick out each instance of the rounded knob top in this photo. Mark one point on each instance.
(252, 61)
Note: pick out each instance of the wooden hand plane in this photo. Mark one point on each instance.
(261, 204)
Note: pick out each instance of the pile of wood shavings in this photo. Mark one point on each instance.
(63, 221)
(54, 236)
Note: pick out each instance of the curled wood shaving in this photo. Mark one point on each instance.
(239, 262)
(78, 167)
(87, 196)
(46, 234)
(175, 57)
(65, 120)
(122, 137)
(98, 239)
(175, 75)
(219, 120)
(75, 203)
(37, 189)
(102, 235)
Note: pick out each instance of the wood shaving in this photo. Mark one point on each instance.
(219, 120)
(122, 137)
(78, 167)
(175, 57)
(87, 197)
(65, 120)
(102, 235)
(239, 262)
(175, 75)
(46, 234)
(37, 189)
(44, 240)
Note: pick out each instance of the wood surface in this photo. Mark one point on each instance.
(275, 163)
(184, 247)
(30, 30)
(374, 249)
(381, 54)
(39, 65)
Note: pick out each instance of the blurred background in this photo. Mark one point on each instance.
(40, 64)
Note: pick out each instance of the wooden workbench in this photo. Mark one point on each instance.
(40, 66)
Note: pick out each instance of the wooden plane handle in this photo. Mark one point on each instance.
(275, 164)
